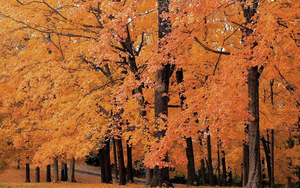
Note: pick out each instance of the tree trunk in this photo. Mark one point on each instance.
(62, 172)
(115, 160)
(290, 146)
(149, 175)
(162, 86)
(210, 166)
(104, 158)
(157, 178)
(224, 169)
(268, 159)
(254, 178)
(55, 170)
(66, 171)
(245, 164)
(27, 173)
(37, 174)
(129, 164)
(161, 108)
(122, 171)
(72, 170)
(189, 144)
(219, 165)
(48, 173)
(202, 167)
(102, 165)
(107, 166)
(191, 165)
(272, 159)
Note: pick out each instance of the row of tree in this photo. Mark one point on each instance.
(162, 75)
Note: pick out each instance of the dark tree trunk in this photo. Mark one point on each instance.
(191, 165)
(254, 178)
(254, 175)
(107, 166)
(48, 173)
(219, 165)
(149, 175)
(122, 170)
(210, 166)
(55, 170)
(290, 146)
(157, 178)
(272, 139)
(129, 164)
(245, 164)
(104, 158)
(266, 146)
(115, 159)
(202, 167)
(224, 169)
(64, 172)
(272, 159)
(161, 107)
(72, 170)
(189, 144)
(37, 174)
(102, 165)
(27, 173)
(162, 87)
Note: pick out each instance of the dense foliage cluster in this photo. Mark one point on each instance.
(75, 74)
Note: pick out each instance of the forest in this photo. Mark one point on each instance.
(205, 92)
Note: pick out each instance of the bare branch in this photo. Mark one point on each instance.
(209, 49)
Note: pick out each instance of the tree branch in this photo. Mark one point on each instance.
(209, 49)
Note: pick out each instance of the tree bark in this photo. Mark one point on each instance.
(107, 166)
(202, 167)
(224, 169)
(115, 159)
(64, 172)
(122, 171)
(27, 173)
(48, 173)
(55, 170)
(290, 146)
(189, 144)
(129, 164)
(104, 158)
(268, 157)
(149, 175)
(102, 165)
(72, 170)
(245, 164)
(210, 166)
(254, 178)
(161, 108)
(219, 165)
(272, 159)
(191, 164)
(162, 86)
(37, 174)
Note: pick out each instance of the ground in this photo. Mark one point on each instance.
(87, 178)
